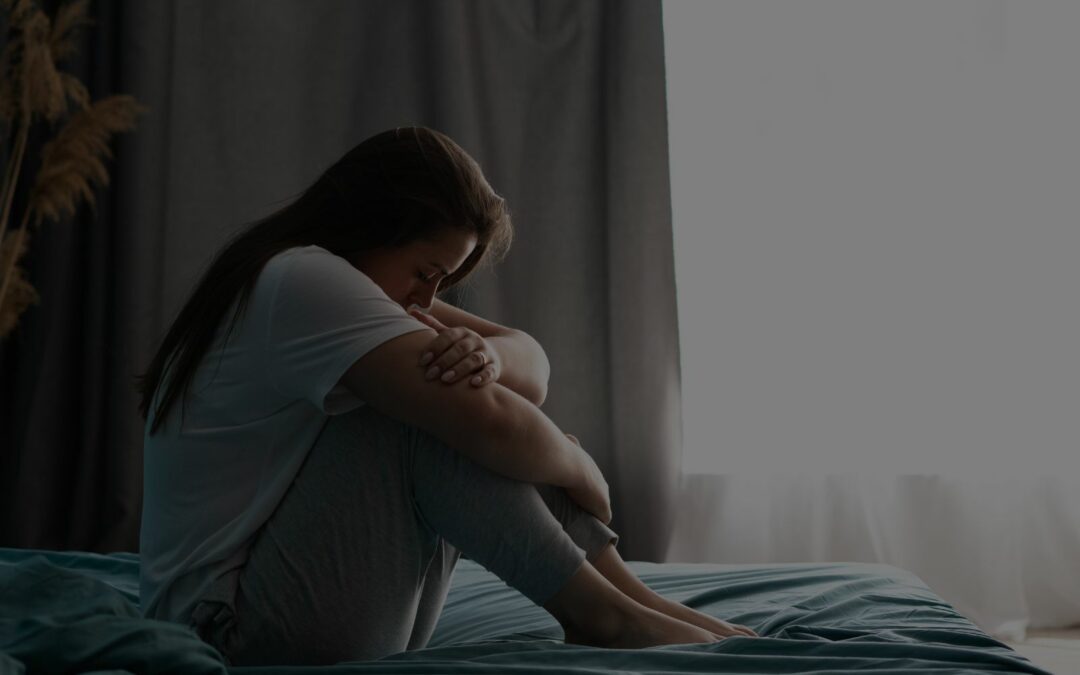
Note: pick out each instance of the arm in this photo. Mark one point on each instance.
(524, 365)
(492, 425)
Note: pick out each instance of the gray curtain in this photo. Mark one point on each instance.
(70, 447)
(562, 102)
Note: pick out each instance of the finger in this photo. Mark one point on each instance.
(459, 342)
(444, 352)
(485, 376)
(437, 346)
(426, 319)
(573, 438)
(429, 321)
(459, 370)
(433, 350)
(472, 362)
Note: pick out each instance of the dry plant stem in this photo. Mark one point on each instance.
(11, 265)
(72, 161)
(6, 183)
(11, 176)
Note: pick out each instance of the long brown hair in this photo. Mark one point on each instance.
(394, 188)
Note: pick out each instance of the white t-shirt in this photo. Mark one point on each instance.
(253, 410)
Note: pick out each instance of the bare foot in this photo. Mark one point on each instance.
(609, 563)
(644, 627)
(690, 615)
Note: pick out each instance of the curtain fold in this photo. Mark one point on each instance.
(70, 476)
(560, 101)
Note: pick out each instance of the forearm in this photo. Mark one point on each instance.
(520, 442)
(524, 365)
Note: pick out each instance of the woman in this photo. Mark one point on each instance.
(336, 449)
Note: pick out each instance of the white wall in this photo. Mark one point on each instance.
(877, 224)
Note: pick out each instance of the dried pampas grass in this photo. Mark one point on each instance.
(72, 163)
(21, 294)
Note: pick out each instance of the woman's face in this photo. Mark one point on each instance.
(412, 273)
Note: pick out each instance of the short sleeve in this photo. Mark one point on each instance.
(323, 315)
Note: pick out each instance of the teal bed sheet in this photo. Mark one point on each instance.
(78, 612)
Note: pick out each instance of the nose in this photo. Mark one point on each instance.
(423, 295)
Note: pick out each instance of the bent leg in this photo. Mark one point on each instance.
(356, 561)
(521, 520)
(503, 524)
(336, 573)
(585, 529)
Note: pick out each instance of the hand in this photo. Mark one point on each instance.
(591, 491)
(458, 353)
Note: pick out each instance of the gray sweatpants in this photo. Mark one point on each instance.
(356, 561)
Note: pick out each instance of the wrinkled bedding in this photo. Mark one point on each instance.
(78, 612)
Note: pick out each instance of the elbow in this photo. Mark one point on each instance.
(537, 395)
(534, 393)
(538, 386)
(540, 390)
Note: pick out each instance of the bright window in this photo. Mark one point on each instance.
(877, 225)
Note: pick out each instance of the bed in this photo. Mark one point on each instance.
(66, 611)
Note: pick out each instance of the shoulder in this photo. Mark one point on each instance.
(288, 256)
(309, 260)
